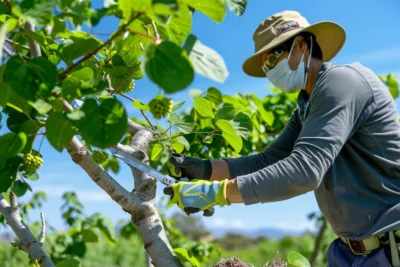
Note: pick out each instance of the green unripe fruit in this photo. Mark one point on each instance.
(99, 156)
(32, 162)
(160, 106)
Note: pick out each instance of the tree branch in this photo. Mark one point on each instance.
(318, 243)
(16, 43)
(42, 237)
(34, 46)
(94, 52)
(27, 242)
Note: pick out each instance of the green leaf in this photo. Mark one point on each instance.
(155, 152)
(203, 107)
(3, 31)
(40, 13)
(102, 126)
(238, 6)
(214, 95)
(8, 172)
(79, 248)
(177, 105)
(106, 227)
(183, 256)
(267, 116)
(89, 236)
(122, 76)
(297, 259)
(226, 113)
(59, 130)
(184, 124)
(214, 9)
(393, 85)
(243, 124)
(41, 106)
(229, 133)
(139, 105)
(10, 145)
(77, 44)
(129, 7)
(70, 262)
(206, 61)
(168, 66)
(111, 163)
(31, 80)
(9, 23)
(33, 177)
(180, 24)
(20, 188)
(208, 139)
(179, 143)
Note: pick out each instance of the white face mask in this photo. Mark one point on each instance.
(286, 79)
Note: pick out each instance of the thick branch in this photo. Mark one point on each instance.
(34, 46)
(101, 177)
(42, 237)
(94, 52)
(27, 242)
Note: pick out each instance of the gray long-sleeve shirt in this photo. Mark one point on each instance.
(343, 143)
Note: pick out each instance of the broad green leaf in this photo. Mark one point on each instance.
(8, 172)
(10, 145)
(40, 13)
(59, 130)
(179, 143)
(20, 188)
(168, 66)
(79, 248)
(177, 105)
(393, 85)
(130, 7)
(106, 227)
(33, 177)
(77, 44)
(89, 236)
(111, 163)
(297, 259)
(184, 124)
(8, 23)
(237, 6)
(229, 133)
(206, 61)
(155, 152)
(183, 256)
(139, 105)
(31, 80)
(242, 125)
(180, 24)
(70, 262)
(267, 116)
(102, 126)
(225, 113)
(122, 76)
(203, 107)
(58, 105)
(214, 95)
(41, 106)
(59, 25)
(214, 9)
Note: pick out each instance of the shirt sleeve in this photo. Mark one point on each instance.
(279, 149)
(337, 106)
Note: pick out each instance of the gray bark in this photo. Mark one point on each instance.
(27, 242)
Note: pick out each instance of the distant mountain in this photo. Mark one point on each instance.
(268, 232)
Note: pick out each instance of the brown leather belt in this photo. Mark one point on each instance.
(364, 246)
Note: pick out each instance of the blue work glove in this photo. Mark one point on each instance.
(196, 195)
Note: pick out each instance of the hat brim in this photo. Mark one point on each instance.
(330, 37)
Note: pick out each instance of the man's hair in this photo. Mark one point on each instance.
(316, 51)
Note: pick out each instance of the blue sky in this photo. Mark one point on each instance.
(372, 39)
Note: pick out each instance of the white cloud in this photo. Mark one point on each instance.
(389, 54)
(294, 225)
(237, 223)
(219, 222)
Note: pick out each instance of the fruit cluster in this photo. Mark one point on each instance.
(32, 162)
(160, 106)
(99, 156)
(130, 86)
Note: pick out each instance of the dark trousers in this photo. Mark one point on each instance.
(340, 255)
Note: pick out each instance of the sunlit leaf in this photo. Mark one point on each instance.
(214, 9)
(59, 130)
(203, 107)
(238, 6)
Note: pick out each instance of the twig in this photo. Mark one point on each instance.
(16, 43)
(8, 52)
(141, 111)
(26, 240)
(318, 243)
(41, 142)
(94, 52)
(43, 232)
(158, 39)
(143, 34)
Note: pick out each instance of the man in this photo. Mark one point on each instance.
(342, 142)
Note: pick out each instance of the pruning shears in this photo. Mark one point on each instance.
(165, 179)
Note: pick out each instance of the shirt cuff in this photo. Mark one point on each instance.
(246, 188)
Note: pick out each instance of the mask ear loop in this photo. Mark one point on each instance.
(290, 53)
(308, 63)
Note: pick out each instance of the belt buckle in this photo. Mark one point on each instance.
(359, 248)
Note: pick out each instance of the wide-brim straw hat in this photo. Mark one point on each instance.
(282, 26)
